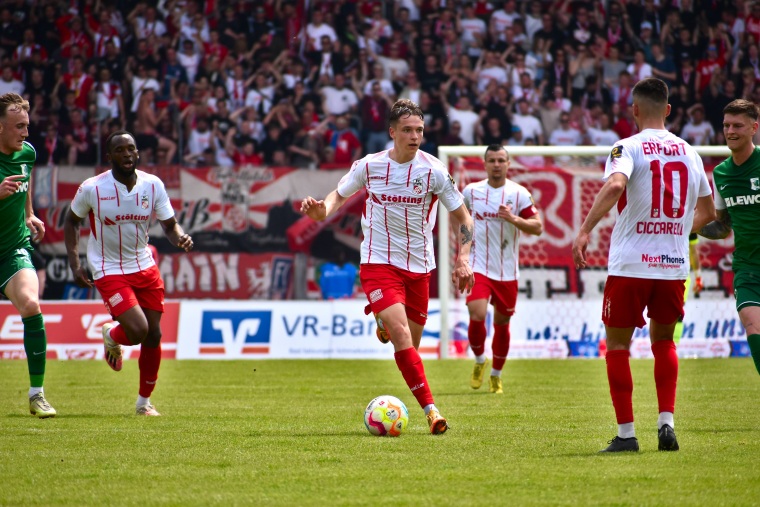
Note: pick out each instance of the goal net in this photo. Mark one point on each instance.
(559, 307)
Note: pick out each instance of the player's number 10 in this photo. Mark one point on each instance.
(666, 174)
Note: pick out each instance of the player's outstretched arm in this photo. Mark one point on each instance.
(176, 235)
(719, 228)
(320, 210)
(605, 200)
(71, 227)
(462, 276)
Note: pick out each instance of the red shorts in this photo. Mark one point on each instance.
(503, 295)
(122, 292)
(625, 299)
(386, 285)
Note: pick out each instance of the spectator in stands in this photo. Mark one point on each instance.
(639, 69)
(565, 135)
(697, 131)
(529, 125)
(146, 133)
(79, 82)
(190, 59)
(73, 36)
(77, 141)
(9, 83)
(601, 136)
(374, 115)
(461, 114)
(612, 66)
(145, 21)
(140, 82)
(108, 97)
(199, 140)
(305, 149)
(582, 65)
(339, 99)
(316, 29)
(490, 132)
(711, 62)
(345, 145)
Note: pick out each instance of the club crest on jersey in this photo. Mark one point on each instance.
(25, 170)
(417, 185)
(144, 203)
(616, 152)
(754, 183)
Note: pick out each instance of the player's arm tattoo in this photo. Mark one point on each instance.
(466, 233)
(717, 229)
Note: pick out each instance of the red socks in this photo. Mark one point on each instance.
(621, 384)
(149, 361)
(665, 374)
(119, 336)
(500, 345)
(410, 365)
(476, 333)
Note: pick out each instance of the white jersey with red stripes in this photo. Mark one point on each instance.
(495, 241)
(119, 221)
(400, 210)
(655, 214)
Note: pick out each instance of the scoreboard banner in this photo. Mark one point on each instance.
(213, 329)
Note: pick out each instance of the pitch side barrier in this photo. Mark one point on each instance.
(213, 329)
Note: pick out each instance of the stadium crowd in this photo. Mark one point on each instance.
(310, 84)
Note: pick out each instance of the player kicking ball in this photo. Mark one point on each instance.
(18, 278)
(656, 180)
(120, 203)
(500, 209)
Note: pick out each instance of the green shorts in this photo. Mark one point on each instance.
(21, 258)
(747, 289)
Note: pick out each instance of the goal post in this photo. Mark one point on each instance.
(445, 153)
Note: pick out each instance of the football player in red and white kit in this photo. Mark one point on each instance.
(403, 186)
(500, 210)
(119, 204)
(657, 181)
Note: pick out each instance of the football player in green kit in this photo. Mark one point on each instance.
(18, 278)
(737, 201)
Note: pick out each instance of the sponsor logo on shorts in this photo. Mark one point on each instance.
(423, 315)
(115, 300)
(376, 295)
(607, 308)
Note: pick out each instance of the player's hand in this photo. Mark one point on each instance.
(505, 213)
(81, 278)
(462, 276)
(10, 185)
(579, 250)
(314, 209)
(185, 242)
(36, 227)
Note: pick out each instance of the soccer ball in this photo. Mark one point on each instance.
(386, 416)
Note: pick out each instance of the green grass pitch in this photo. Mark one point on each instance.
(292, 433)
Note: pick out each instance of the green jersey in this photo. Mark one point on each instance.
(14, 233)
(738, 191)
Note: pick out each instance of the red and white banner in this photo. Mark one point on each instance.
(73, 330)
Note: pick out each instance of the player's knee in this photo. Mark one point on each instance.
(137, 332)
(29, 307)
(477, 315)
(153, 338)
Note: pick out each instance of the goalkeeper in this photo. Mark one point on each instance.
(698, 285)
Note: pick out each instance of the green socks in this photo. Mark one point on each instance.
(35, 346)
(754, 348)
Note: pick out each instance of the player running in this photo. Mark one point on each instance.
(18, 278)
(500, 209)
(656, 180)
(119, 204)
(737, 182)
(403, 185)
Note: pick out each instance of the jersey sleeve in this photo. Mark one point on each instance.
(467, 197)
(81, 205)
(720, 203)
(444, 187)
(162, 205)
(526, 206)
(354, 180)
(620, 160)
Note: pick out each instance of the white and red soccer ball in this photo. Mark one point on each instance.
(386, 416)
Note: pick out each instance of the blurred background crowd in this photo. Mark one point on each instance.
(309, 84)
